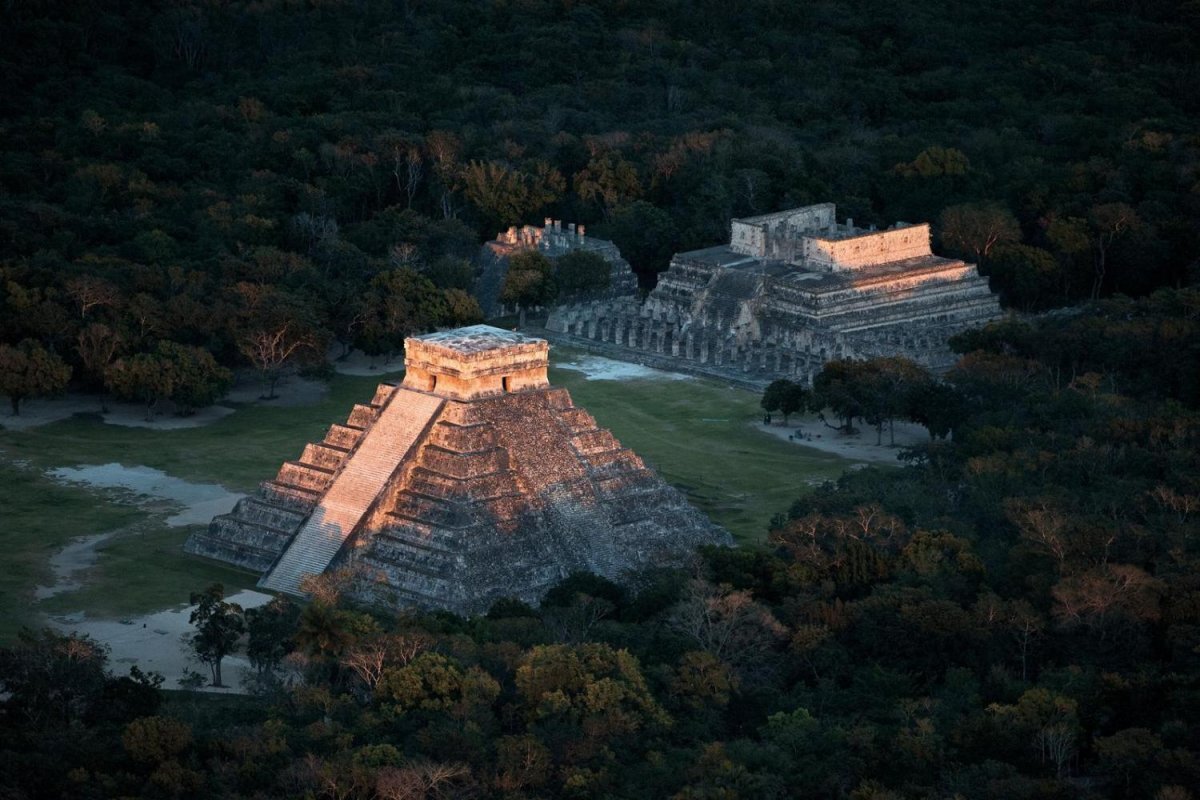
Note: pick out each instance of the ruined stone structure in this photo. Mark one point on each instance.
(553, 240)
(471, 481)
(790, 291)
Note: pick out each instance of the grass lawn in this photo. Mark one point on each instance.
(697, 433)
(237, 451)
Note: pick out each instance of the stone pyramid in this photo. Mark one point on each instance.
(472, 481)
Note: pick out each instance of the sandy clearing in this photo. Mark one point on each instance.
(156, 642)
(201, 501)
(861, 446)
(598, 368)
(41, 411)
(292, 391)
(356, 362)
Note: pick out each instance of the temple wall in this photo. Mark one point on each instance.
(870, 249)
(776, 235)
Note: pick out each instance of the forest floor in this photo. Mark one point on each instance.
(96, 511)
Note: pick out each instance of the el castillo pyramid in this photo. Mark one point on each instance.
(472, 481)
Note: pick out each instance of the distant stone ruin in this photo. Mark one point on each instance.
(789, 292)
(553, 240)
(472, 481)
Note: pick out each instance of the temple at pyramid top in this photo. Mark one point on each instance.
(474, 480)
(479, 361)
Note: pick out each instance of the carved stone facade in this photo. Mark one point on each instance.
(791, 291)
(472, 481)
(553, 240)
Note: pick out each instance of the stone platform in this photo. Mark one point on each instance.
(791, 291)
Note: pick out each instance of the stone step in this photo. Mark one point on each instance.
(304, 476)
(409, 517)
(610, 461)
(271, 515)
(577, 420)
(428, 482)
(396, 432)
(292, 497)
(383, 393)
(422, 537)
(597, 441)
(464, 465)
(343, 436)
(462, 438)
(324, 456)
(361, 416)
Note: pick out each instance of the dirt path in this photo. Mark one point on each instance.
(811, 432)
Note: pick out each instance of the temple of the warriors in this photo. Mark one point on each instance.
(790, 291)
(553, 240)
(472, 481)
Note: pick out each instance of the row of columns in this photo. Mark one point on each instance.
(663, 339)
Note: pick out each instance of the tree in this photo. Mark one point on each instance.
(773, 396)
(975, 229)
(270, 629)
(153, 740)
(505, 194)
(784, 396)
(51, 678)
(729, 625)
(97, 346)
(794, 398)
(1047, 721)
(529, 282)
(272, 349)
(834, 387)
(187, 376)
(1108, 222)
(144, 377)
(89, 292)
(400, 303)
(647, 237)
(431, 682)
(219, 625)
(275, 327)
(30, 370)
(609, 180)
(585, 695)
(581, 273)
(197, 379)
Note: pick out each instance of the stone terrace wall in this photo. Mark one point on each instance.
(868, 249)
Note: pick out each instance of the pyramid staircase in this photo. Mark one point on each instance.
(400, 424)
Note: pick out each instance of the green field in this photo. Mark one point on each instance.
(697, 433)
